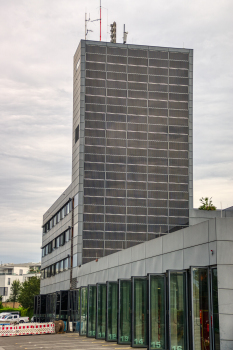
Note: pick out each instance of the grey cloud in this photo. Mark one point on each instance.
(38, 40)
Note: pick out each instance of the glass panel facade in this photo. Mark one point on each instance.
(177, 310)
(91, 307)
(101, 311)
(125, 311)
(64, 305)
(112, 294)
(139, 319)
(129, 119)
(74, 307)
(83, 311)
(216, 337)
(133, 312)
(200, 305)
(157, 307)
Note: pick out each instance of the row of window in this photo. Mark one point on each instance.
(134, 160)
(141, 95)
(138, 111)
(133, 61)
(137, 89)
(119, 210)
(133, 177)
(132, 85)
(132, 170)
(153, 130)
(121, 227)
(56, 268)
(66, 209)
(57, 242)
(181, 120)
(136, 73)
(179, 142)
(96, 192)
(137, 219)
(121, 101)
(176, 85)
(134, 52)
(136, 202)
(144, 186)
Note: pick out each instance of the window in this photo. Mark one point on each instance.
(20, 272)
(101, 311)
(75, 260)
(76, 200)
(57, 267)
(62, 240)
(49, 248)
(9, 281)
(57, 242)
(61, 265)
(111, 311)
(65, 262)
(67, 234)
(77, 134)
(139, 304)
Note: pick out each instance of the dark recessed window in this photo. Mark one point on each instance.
(77, 134)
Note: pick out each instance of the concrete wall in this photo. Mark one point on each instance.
(196, 216)
(179, 250)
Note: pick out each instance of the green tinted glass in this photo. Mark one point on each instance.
(101, 311)
(125, 309)
(215, 309)
(200, 300)
(177, 310)
(112, 290)
(157, 312)
(140, 312)
(91, 324)
(83, 312)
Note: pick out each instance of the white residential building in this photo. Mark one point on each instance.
(11, 272)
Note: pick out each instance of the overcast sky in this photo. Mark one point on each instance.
(38, 39)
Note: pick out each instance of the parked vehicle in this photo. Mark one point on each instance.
(3, 315)
(16, 318)
(33, 318)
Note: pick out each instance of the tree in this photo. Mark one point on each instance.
(207, 204)
(1, 302)
(15, 290)
(28, 290)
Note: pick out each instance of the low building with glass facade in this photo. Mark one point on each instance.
(125, 257)
(173, 292)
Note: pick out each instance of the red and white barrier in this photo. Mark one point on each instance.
(27, 329)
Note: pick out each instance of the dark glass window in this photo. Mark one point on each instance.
(77, 134)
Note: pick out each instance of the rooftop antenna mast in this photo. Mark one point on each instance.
(87, 30)
(100, 20)
(124, 35)
(94, 20)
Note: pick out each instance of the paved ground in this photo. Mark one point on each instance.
(67, 341)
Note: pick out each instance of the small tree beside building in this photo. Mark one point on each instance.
(15, 290)
(28, 290)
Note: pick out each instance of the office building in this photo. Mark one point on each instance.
(131, 153)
